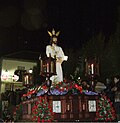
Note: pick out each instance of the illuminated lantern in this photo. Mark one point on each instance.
(91, 67)
(27, 79)
(15, 78)
(5, 75)
(48, 68)
(92, 71)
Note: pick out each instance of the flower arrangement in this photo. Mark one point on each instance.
(42, 111)
(38, 90)
(105, 111)
(58, 88)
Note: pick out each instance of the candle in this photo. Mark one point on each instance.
(26, 79)
(92, 68)
(51, 67)
(41, 65)
(47, 67)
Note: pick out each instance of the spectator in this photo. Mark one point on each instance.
(116, 95)
(85, 85)
(107, 91)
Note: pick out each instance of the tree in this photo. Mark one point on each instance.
(110, 59)
(95, 46)
(110, 62)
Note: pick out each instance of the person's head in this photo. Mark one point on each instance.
(53, 36)
(116, 79)
(84, 82)
(108, 81)
(53, 40)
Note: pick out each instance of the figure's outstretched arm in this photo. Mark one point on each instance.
(47, 51)
(61, 57)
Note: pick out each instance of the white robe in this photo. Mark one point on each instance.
(58, 52)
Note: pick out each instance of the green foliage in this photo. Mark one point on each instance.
(95, 46)
(42, 111)
(107, 52)
(110, 61)
(105, 110)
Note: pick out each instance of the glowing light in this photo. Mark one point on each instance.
(5, 75)
(15, 77)
(92, 68)
(30, 70)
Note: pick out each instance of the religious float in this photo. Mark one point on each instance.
(62, 101)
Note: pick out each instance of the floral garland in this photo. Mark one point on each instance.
(34, 90)
(60, 88)
(64, 86)
(42, 111)
(105, 110)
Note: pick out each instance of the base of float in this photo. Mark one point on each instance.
(67, 107)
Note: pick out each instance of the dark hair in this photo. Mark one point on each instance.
(117, 76)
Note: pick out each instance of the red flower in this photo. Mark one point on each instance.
(44, 87)
(43, 120)
(96, 119)
(78, 87)
(42, 107)
(34, 118)
(38, 119)
(24, 95)
(57, 86)
(65, 80)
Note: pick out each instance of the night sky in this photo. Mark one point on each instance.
(24, 23)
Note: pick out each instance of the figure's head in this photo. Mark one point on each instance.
(53, 36)
(53, 40)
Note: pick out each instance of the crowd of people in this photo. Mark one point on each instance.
(113, 93)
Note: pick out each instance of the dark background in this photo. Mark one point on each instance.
(24, 23)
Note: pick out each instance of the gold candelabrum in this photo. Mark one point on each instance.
(48, 69)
